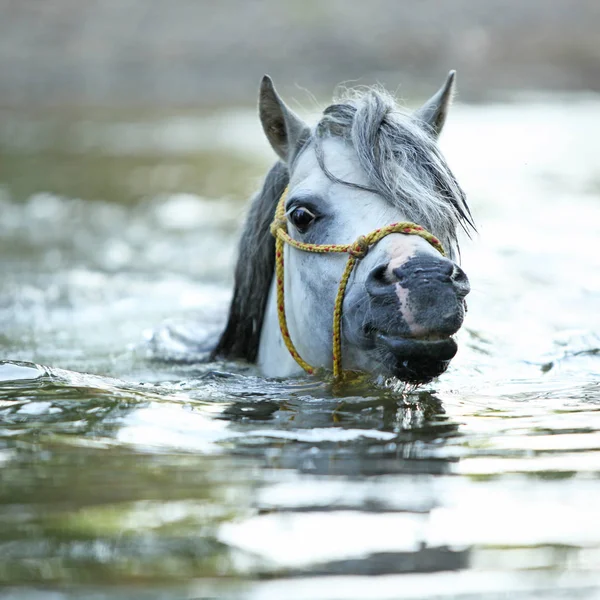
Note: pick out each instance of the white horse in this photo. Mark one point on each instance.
(365, 165)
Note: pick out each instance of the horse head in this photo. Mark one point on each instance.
(364, 166)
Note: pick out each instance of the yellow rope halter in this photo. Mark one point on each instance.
(356, 251)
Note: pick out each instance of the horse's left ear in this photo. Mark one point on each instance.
(282, 126)
(434, 111)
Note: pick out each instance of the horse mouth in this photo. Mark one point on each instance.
(417, 360)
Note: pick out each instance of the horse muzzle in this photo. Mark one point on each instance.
(415, 308)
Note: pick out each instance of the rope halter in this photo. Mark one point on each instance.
(356, 251)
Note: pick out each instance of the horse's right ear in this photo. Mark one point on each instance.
(282, 126)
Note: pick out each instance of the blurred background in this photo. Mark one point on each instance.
(192, 53)
(83, 79)
(129, 146)
(96, 96)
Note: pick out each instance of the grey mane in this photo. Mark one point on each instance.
(402, 161)
(253, 272)
(403, 164)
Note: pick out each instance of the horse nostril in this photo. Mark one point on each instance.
(417, 272)
(458, 275)
(460, 281)
(377, 283)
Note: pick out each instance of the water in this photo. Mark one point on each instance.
(131, 470)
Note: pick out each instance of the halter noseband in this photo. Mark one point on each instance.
(356, 251)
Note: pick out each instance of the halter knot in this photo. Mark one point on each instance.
(277, 224)
(360, 248)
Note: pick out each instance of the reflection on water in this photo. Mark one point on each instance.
(161, 476)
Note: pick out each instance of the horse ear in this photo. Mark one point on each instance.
(434, 111)
(282, 126)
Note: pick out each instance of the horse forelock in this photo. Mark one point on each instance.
(401, 159)
(253, 272)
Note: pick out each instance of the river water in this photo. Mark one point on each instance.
(132, 470)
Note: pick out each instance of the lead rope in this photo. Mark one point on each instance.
(356, 251)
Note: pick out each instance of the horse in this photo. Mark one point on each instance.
(351, 189)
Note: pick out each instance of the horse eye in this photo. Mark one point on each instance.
(301, 218)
